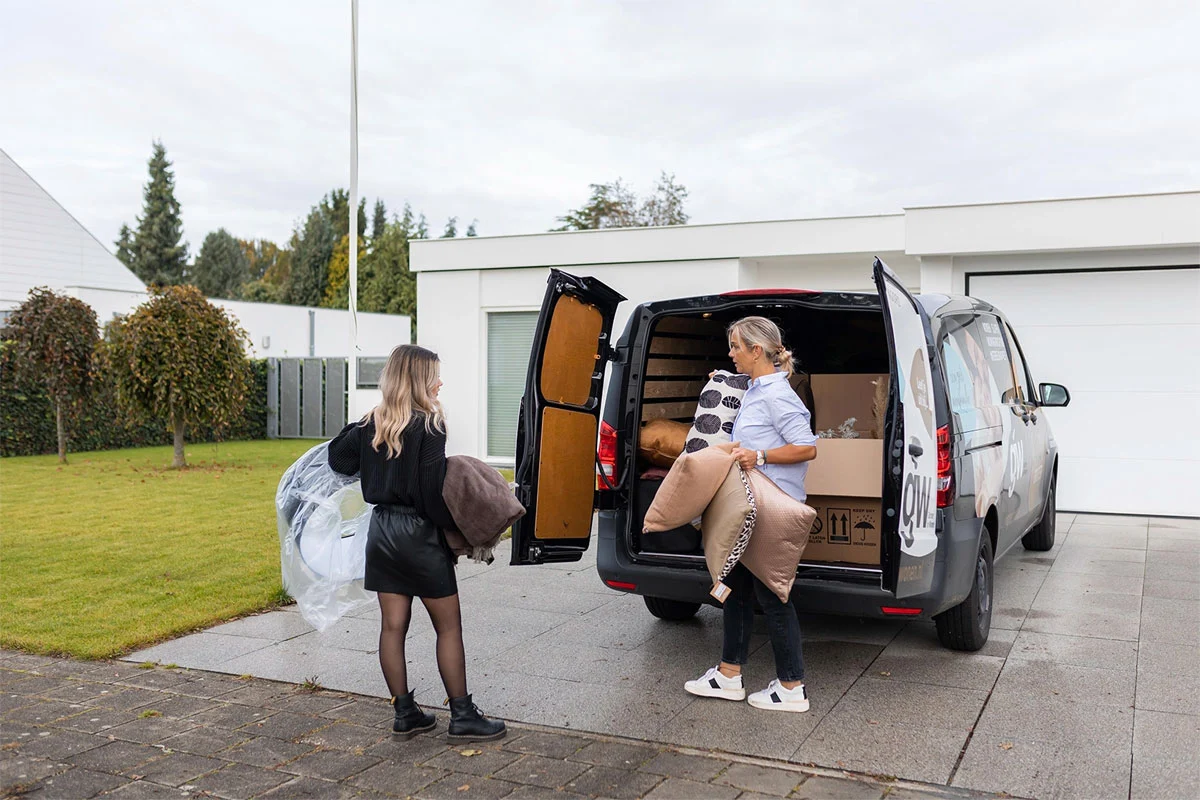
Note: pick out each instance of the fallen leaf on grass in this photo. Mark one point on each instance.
(469, 753)
(1006, 745)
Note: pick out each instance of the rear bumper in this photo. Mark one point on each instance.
(952, 576)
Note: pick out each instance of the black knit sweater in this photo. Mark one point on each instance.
(413, 478)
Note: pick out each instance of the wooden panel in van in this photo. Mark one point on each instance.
(570, 355)
(566, 475)
(680, 366)
(653, 390)
(678, 409)
(696, 325)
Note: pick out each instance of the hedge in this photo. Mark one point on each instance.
(27, 417)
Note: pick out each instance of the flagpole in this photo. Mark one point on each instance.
(353, 411)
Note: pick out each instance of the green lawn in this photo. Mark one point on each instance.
(114, 551)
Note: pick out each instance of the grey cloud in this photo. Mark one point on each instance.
(506, 111)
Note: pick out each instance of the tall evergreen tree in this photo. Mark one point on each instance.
(422, 229)
(379, 221)
(312, 246)
(124, 245)
(451, 231)
(471, 228)
(336, 206)
(159, 253)
(391, 287)
(222, 266)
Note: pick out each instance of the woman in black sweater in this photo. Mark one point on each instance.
(399, 452)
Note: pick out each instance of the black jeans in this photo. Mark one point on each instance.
(782, 625)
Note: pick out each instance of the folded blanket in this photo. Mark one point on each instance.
(482, 504)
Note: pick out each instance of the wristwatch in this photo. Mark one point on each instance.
(762, 457)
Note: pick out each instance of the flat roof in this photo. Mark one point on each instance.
(1163, 219)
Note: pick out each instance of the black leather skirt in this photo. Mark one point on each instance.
(407, 554)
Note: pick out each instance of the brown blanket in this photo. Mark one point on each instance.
(482, 505)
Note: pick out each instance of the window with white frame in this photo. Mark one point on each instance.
(509, 340)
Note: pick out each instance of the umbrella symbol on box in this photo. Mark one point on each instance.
(863, 526)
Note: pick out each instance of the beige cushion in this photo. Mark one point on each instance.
(661, 441)
(688, 487)
(727, 524)
(781, 528)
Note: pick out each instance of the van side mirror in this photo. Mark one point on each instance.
(1054, 395)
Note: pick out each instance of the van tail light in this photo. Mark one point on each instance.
(621, 586)
(606, 454)
(899, 611)
(945, 472)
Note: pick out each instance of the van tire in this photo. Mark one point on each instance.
(674, 610)
(967, 625)
(1041, 538)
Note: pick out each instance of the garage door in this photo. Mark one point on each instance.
(1127, 345)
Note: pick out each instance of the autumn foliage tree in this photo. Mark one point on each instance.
(179, 358)
(55, 338)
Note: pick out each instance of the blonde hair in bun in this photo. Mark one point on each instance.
(764, 333)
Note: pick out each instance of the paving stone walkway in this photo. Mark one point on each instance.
(72, 729)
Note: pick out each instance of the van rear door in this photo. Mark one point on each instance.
(559, 419)
(911, 506)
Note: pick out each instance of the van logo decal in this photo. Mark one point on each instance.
(915, 511)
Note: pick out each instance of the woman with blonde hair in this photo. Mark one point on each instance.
(775, 436)
(399, 451)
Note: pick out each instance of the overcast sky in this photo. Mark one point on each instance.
(505, 111)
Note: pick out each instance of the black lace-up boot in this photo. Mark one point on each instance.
(468, 724)
(410, 720)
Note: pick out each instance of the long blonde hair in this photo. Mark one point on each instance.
(766, 334)
(408, 382)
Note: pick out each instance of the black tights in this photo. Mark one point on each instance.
(396, 611)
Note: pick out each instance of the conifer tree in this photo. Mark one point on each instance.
(159, 253)
(222, 266)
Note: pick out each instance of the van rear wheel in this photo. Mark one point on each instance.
(967, 625)
(1041, 538)
(675, 610)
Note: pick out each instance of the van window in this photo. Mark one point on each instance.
(978, 371)
(1024, 385)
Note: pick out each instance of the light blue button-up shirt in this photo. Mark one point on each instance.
(773, 416)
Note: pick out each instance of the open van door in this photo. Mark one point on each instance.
(560, 417)
(912, 443)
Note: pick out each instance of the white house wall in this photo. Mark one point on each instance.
(43, 245)
(1092, 223)
(844, 272)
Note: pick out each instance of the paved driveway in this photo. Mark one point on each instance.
(1088, 687)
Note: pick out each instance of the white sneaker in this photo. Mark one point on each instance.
(777, 698)
(714, 684)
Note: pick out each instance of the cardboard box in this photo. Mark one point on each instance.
(847, 530)
(836, 398)
(846, 467)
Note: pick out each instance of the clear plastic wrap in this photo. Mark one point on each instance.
(323, 521)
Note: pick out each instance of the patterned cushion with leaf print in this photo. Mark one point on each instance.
(719, 404)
